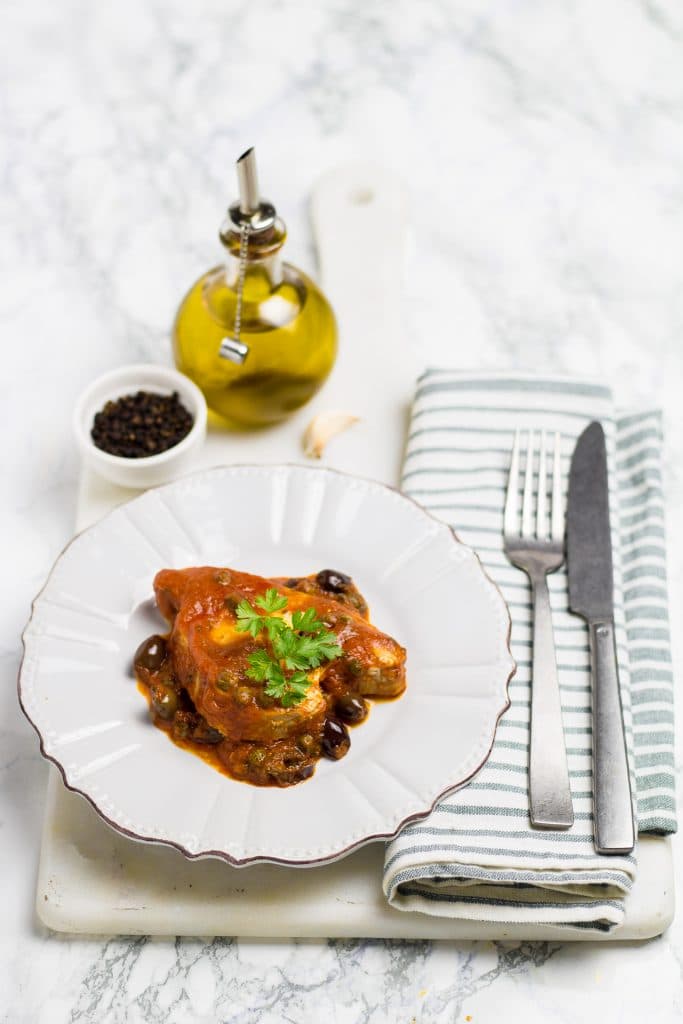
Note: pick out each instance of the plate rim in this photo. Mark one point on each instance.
(239, 862)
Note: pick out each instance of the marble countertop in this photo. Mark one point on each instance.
(542, 145)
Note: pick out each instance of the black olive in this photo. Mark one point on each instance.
(336, 740)
(351, 708)
(151, 654)
(333, 581)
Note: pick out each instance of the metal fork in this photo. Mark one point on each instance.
(538, 552)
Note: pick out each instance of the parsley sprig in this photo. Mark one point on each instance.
(293, 649)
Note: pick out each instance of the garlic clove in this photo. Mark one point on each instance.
(323, 428)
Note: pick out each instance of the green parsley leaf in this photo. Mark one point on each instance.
(277, 683)
(295, 660)
(272, 602)
(299, 682)
(297, 688)
(294, 649)
(307, 622)
(261, 665)
(284, 643)
(314, 650)
(275, 627)
(248, 620)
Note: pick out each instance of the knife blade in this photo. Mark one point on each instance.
(591, 595)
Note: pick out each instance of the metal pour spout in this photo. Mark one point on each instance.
(250, 210)
(248, 182)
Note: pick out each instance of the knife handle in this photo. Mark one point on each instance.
(612, 800)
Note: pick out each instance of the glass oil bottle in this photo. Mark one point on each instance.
(255, 334)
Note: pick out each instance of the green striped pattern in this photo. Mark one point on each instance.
(476, 856)
(643, 560)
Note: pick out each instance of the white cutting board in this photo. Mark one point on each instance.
(93, 880)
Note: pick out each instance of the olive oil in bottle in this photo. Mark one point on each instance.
(255, 334)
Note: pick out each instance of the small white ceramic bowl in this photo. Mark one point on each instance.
(151, 469)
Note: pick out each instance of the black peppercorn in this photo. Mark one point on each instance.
(139, 425)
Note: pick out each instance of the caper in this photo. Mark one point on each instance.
(164, 700)
(223, 576)
(354, 666)
(243, 696)
(256, 757)
(306, 743)
(351, 708)
(230, 604)
(336, 740)
(151, 654)
(223, 682)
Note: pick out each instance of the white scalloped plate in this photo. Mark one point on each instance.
(424, 588)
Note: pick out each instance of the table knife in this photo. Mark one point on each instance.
(591, 595)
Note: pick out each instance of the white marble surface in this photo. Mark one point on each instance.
(543, 146)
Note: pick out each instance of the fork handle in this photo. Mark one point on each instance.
(613, 810)
(550, 797)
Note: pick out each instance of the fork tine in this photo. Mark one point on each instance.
(541, 516)
(557, 527)
(527, 499)
(511, 519)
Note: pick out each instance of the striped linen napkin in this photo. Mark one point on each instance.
(476, 855)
